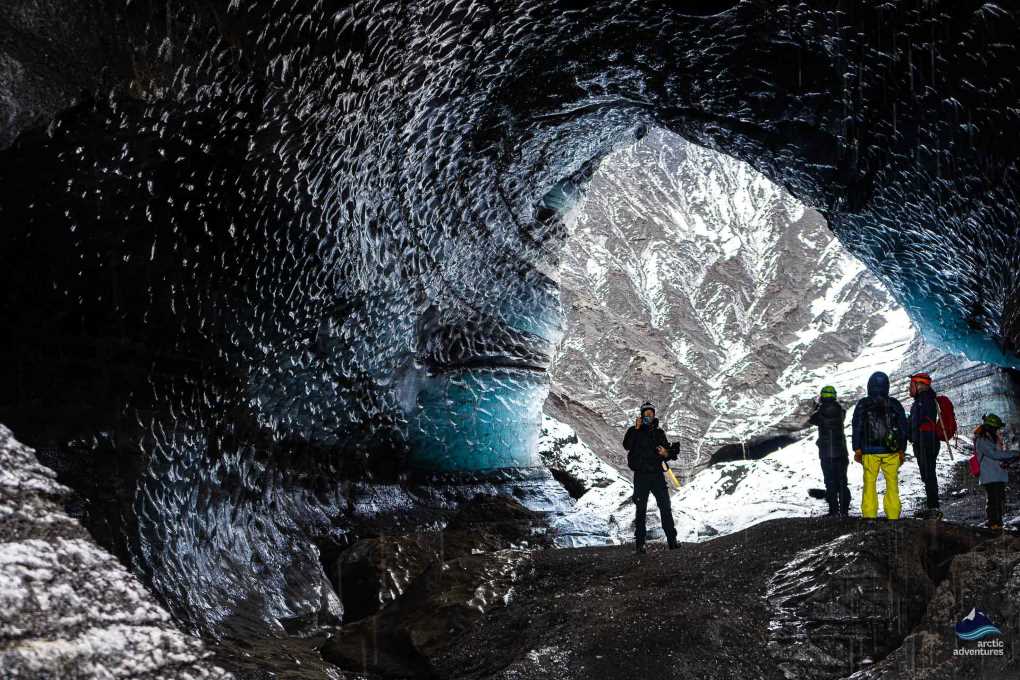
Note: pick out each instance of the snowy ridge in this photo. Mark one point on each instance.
(70, 609)
(692, 280)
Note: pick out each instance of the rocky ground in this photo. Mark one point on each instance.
(69, 609)
(802, 598)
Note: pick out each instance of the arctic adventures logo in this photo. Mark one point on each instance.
(975, 627)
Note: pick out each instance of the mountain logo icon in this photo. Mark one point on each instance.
(976, 626)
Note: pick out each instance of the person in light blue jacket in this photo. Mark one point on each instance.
(991, 459)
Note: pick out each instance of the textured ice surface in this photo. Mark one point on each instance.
(291, 238)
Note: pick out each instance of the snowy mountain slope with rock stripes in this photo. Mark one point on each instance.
(693, 281)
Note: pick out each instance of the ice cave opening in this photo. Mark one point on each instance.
(691, 280)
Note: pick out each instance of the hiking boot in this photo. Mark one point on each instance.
(673, 545)
(640, 549)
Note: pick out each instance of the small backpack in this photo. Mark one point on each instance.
(974, 464)
(881, 427)
(945, 428)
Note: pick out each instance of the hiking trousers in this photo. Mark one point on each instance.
(888, 464)
(654, 483)
(996, 502)
(837, 493)
(926, 450)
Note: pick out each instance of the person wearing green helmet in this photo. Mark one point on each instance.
(993, 475)
(829, 417)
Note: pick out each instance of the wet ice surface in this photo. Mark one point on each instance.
(309, 237)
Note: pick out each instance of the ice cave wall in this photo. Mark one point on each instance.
(337, 203)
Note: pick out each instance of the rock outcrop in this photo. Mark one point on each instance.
(792, 598)
(69, 609)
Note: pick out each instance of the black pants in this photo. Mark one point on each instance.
(654, 483)
(837, 493)
(996, 501)
(926, 450)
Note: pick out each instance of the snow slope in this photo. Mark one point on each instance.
(724, 498)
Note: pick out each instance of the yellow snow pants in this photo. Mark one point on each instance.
(889, 465)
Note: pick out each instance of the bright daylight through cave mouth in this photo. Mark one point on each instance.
(509, 340)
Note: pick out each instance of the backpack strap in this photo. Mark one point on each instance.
(938, 424)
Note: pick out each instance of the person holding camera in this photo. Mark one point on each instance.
(647, 450)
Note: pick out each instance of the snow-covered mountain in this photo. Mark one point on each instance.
(692, 280)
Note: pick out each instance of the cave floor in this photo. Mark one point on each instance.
(696, 612)
(700, 611)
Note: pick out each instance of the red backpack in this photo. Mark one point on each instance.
(974, 464)
(945, 428)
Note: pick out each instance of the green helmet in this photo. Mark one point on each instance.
(991, 420)
(828, 392)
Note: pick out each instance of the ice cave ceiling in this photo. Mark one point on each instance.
(253, 246)
(338, 222)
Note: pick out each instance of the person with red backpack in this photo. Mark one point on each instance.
(987, 464)
(928, 428)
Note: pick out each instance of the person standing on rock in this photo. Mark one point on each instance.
(647, 450)
(829, 418)
(993, 475)
(879, 442)
(924, 439)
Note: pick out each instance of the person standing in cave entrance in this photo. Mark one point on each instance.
(647, 450)
(879, 441)
(924, 439)
(829, 418)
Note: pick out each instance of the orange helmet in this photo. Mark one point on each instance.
(922, 378)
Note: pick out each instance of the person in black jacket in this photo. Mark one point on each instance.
(647, 450)
(924, 439)
(832, 451)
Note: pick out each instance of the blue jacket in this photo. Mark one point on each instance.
(878, 397)
(991, 458)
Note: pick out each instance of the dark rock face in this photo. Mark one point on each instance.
(987, 578)
(785, 599)
(305, 241)
(852, 601)
(375, 571)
